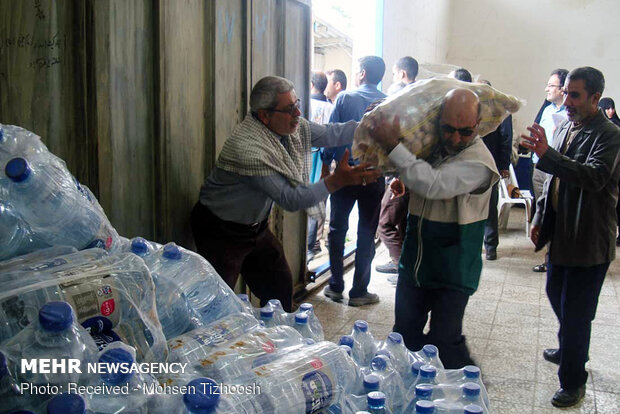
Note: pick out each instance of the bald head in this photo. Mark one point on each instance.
(459, 118)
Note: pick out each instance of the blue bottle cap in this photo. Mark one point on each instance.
(360, 326)
(306, 307)
(430, 351)
(301, 318)
(4, 368)
(424, 407)
(139, 246)
(116, 356)
(266, 312)
(172, 252)
(275, 303)
(379, 363)
(424, 390)
(202, 397)
(471, 371)
(415, 367)
(56, 316)
(66, 404)
(376, 399)
(309, 341)
(346, 340)
(371, 382)
(428, 371)
(244, 297)
(471, 389)
(17, 170)
(472, 409)
(395, 338)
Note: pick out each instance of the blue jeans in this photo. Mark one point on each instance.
(369, 205)
(573, 293)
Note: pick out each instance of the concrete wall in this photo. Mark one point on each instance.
(335, 59)
(513, 44)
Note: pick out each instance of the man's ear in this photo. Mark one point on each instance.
(596, 97)
(263, 116)
(338, 85)
(362, 74)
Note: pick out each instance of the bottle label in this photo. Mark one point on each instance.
(317, 389)
(94, 296)
(209, 337)
(100, 329)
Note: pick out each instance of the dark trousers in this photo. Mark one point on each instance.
(491, 235)
(393, 223)
(368, 199)
(253, 251)
(446, 307)
(573, 293)
(315, 231)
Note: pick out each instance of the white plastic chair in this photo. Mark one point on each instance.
(505, 201)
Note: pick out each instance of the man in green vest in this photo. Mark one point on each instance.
(440, 263)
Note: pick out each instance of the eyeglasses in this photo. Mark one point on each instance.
(291, 109)
(464, 132)
(553, 86)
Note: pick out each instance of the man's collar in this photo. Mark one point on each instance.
(557, 108)
(319, 97)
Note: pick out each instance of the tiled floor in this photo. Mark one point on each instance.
(508, 322)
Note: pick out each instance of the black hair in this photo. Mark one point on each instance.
(374, 67)
(561, 74)
(319, 80)
(462, 74)
(593, 79)
(339, 76)
(409, 65)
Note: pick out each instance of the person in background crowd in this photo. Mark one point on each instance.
(440, 263)
(351, 105)
(576, 216)
(551, 116)
(336, 83)
(609, 109)
(461, 74)
(265, 161)
(404, 72)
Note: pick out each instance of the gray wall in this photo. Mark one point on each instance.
(138, 96)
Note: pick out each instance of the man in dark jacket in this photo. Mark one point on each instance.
(576, 214)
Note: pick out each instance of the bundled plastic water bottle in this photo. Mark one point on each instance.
(429, 354)
(27, 261)
(47, 198)
(233, 362)
(280, 316)
(376, 403)
(473, 409)
(423, 392)
(200, 343)
(424, 407)
(398, 353)
(315, 324)
(56, 335)
(367, 348)
(134, 386)
(66, 404)
(301, 325)
(10, 395)
(245, 299)
(390, 382)
(469, 373)
(412, 374)
(15, 235)
(266, 316)
(204, 289)
(470, 394)
(426, 375)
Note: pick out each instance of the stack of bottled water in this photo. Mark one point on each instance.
(304, 320)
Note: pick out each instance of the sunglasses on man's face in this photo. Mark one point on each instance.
(464, 132)
(291, 109)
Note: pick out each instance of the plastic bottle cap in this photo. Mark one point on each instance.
(376, 399)
(471, 389)
(66, 404)
(472, 409)
(371, 382)
(428, 371)
(379, 363)
(139, 246)
(395, 337)
(202, 396)
(346, 340)
(244, 297)
(430, 350)
(471, 371)
(266, 312)
(17, 170)
(415, 367)
(172, 252)
(56, 316)
(306, 307)
(116, 356)
(424, 406)
(4, 369)
(360, 326)
(309, 341)
(423, 390)
(301, 318)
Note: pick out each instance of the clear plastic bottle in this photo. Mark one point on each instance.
(135, 399)
(423, 392)
(66, 404)
(473, 409)
(367, 346)
(267, 316)
(315, 324)
(390, 381)
(10, 395)
(302, 326)
(27, 261)
(56, 335)
(371, 383)
(424, 407)
(280, 316)
(376, 403)
(245, 299)
(199, 343)
(204, 289)
(412, 374)
(430, 354)
(48, 200)
(469, 373)
(395, 347)
(426, 375)
(15, 238)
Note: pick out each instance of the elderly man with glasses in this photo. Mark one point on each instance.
(440, 263)
(266, 160)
